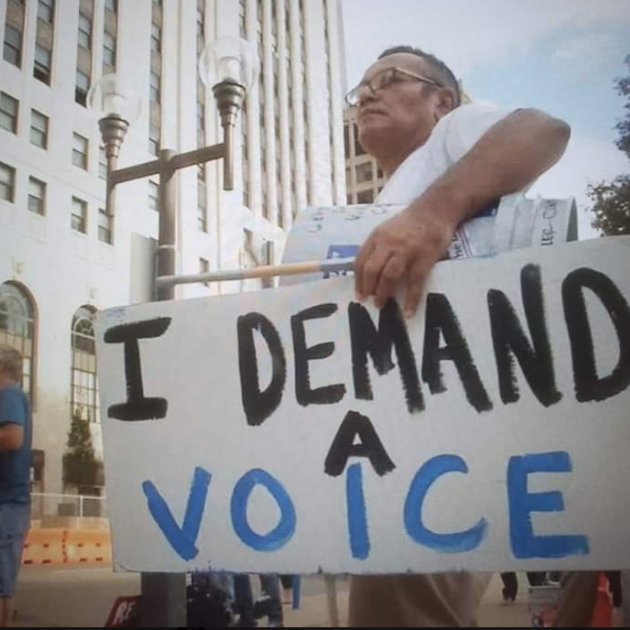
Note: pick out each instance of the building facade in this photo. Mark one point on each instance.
(364, 177)
(62, 257)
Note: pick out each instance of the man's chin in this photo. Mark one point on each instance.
(374, 136)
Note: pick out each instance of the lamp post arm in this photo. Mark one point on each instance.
(176, 162)
(139, 171)
(200, 156)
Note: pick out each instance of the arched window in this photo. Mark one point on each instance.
(17, 329)
(84, 394)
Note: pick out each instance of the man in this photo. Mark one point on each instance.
(15, 465)
(446, 163)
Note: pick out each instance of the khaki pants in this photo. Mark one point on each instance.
(417, 601)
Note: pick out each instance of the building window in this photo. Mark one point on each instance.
(79, 215)
(43, 58)
(358, 149)
(155, 80)
(105, 226)
(12, 52)
(37, 196)
(154, 196)
(82, 88)
(46, 10)
(9, 109)
(202, 200)
(84, 392)
(102, 163)
(156, 88)
(367, 196)
(7, 183)
(39, 129)
(154, 139)
(85, 32)
(17, 329)
(346, 140)
(110, 37)
(80, 146)
(201, 124)
(156, 38)
(364, 173)
(204, 267)
(109, 50)
(201, 21)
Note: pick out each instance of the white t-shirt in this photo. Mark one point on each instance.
(453, 137)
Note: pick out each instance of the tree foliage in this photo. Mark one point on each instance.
(612, 199)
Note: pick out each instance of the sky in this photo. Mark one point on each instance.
(561, 56)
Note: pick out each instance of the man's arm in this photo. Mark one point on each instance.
(511, 155)
(11, 437)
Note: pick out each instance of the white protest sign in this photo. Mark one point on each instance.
(298, 431)
(514, 222)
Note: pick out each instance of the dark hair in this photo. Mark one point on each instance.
(444, 74)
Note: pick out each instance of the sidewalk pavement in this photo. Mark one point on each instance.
(60, 598)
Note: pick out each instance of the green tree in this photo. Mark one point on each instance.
(80, 466)
(612, 199)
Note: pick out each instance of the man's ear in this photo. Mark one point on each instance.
(445, 102)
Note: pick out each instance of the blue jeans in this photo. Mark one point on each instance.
(15, 520)
(245, 598)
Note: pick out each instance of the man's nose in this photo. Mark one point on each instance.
(366, 95)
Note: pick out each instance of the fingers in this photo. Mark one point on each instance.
(389, 281)
(372, 270)
(359, 264)
(416, 279)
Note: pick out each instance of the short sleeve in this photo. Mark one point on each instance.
(467, 124)
(12, 408)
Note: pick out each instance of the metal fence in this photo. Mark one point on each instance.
(67, 505)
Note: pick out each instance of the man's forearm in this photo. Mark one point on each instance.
(6, 443)
(11, 438)
(510, 156)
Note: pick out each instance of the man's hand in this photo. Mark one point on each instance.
(510, 155)
(403, 250)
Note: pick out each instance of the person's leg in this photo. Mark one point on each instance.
(417, 601)
(287, 585)
(510, 586)
(271, 587)
(6, 613)
(223, 582)
(14, 525)
(577, 600)
(244, 601)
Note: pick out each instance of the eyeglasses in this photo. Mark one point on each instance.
(382, 80)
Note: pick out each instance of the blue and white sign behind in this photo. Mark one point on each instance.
(299, 431)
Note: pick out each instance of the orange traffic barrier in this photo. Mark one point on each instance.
(54, 547)
(603, 614)
(88, 547)
(44, 547)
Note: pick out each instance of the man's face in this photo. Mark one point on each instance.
(401, 116)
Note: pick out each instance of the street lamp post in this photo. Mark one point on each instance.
(230, 65)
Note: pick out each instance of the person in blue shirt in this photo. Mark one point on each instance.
(15, 465)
